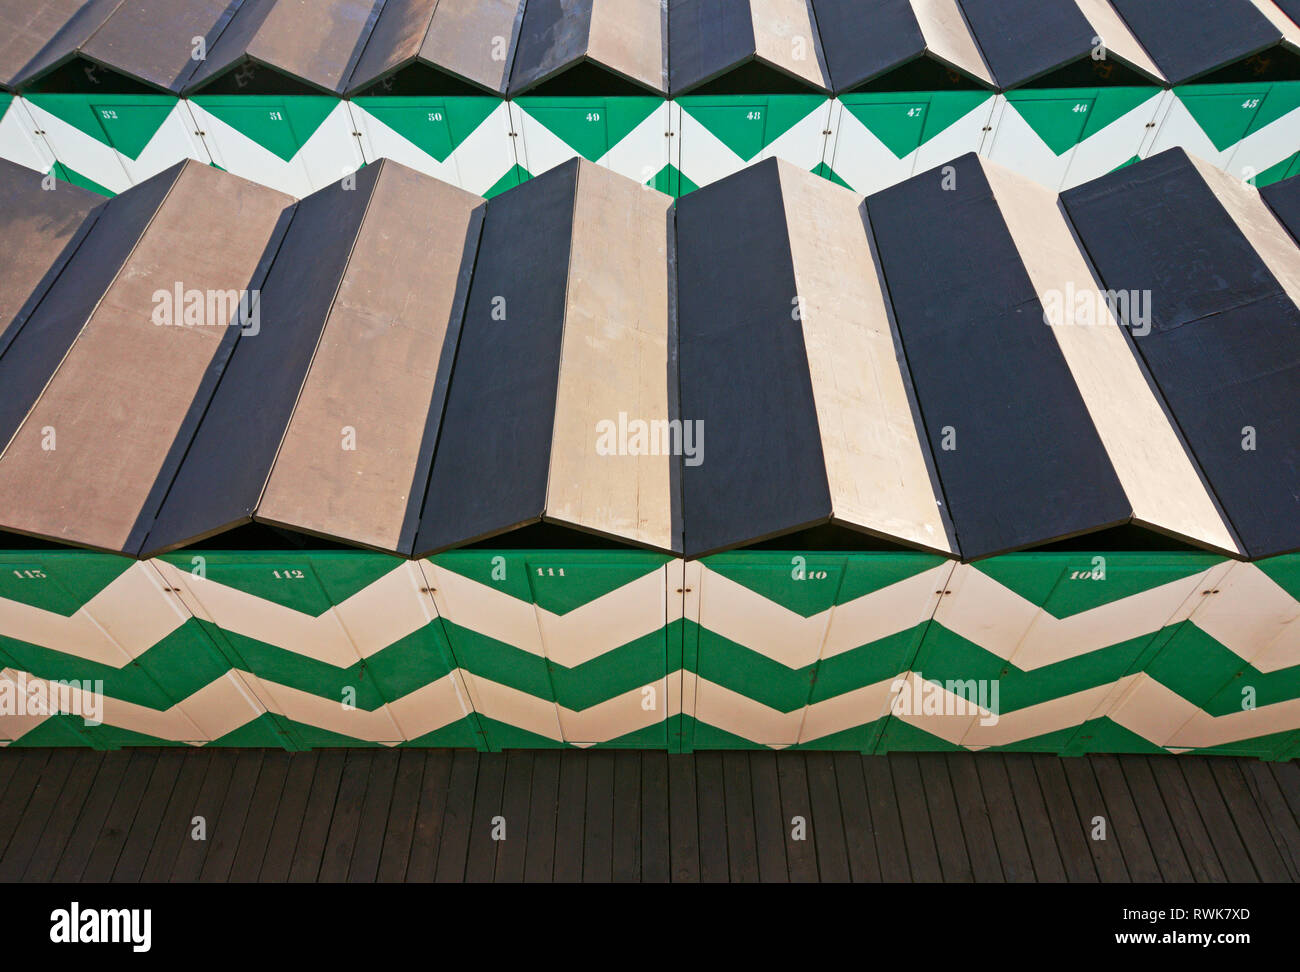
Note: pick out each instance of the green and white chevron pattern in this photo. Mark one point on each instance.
(1062, 653)
(1251, 131)
(465, 141)
(1064, 137)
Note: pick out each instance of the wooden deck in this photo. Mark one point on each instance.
(425, 815)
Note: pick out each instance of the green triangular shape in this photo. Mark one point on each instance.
(747, 125)
(903, 737)
(517, 175)
(1284, 572)
(281, 125)
(62, 172)
(128, 123)
(1050, 581)
(1224, 112)
(805, 583)
(1283, 98)
(586, 577)
(826, 172)
(437, 127)
(58, 581)
(591, 127)
(310, 583)
(1058, 121)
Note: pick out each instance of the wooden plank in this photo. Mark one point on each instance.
(1133, 773)
(711, 809)
(891, 847)
(859, 841)
(1185, 819)
(570, 817)
(289, 817)
(1269, 859)
(423, 862)
(260, 819)
(81, 841)
(1071, 837)
(1123, 823)
(336, 854)
(403, 810)
(223, 838)
(539, 863)
(117, 823)
(34, 817)
(801, 855)
(922, 854)
(453, 847)
(1277, 813)
(489, 788)
(59, 823)
(683, 822)
(1219, 824)
(828, 834)
(21, 786)
(148, 818)
(945, 821)
(1288, 780)
(512, 853)
(769, 826)
(738, 791)
(982, 848)
(369, 844)
(177, 819)
(598, 833)
(626, 853)
(656, 838)
(1107, 856)
(1004, 818)
(1033, 818)
(316, 816)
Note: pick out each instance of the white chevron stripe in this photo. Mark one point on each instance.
(18, 141)
(1253, 618)
(383, 612)
(1266, 147)
(123, 621)
(477, 164)
(619, 617)
(1001, 621)
(739, 614)
(326, 157)
(80, 152)
(644, 151)
(1167, 719)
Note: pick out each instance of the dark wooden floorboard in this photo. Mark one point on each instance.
(543, 810)
(954, 859)
(486, 822)
(800, 855)
(625, 858)
(381, 814)
(770, 831)
(973, 810)
(515, 800)
(656, 837)
(742, 838)
(828, 821)
(855, 812)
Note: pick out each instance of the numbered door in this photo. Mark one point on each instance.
(109, 144)
(628, 135)
(1027, 649)
(1063, 137)
(789, 649)
(138, 669)
(879, 140)
(717, 136)
(563, 648)
(18, 139)
(463, 141)
(1209, 120)
(343, 647)
(1227, 680)
(295, 144)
